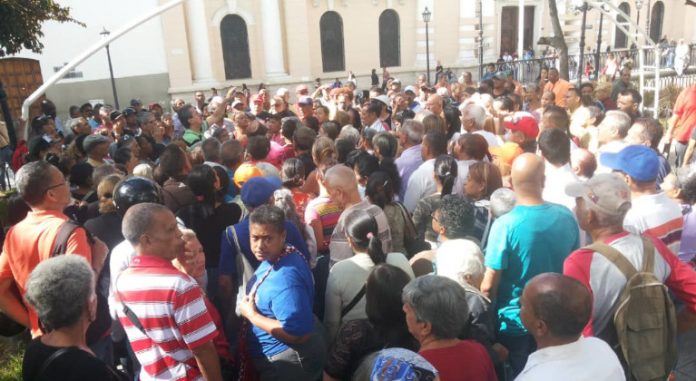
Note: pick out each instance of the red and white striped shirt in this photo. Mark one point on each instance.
(605, 281)
(170, 306)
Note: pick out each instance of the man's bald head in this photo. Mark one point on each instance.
(584, 162)
(434, 104)
(341, 185)
(527, 175)
(562, 303)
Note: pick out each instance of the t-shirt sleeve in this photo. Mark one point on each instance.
(79, 245)
(292, 308)
(498, 250)
(5, 270)
(228, 251)
(191, 316)
(577, 266)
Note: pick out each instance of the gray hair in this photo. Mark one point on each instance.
(414, 130)
(32, 181)
(457, 258)
(351, 133)
(59, 289)
(475, 113)
(139, 219)
(215, 102)
(439, 301)
(617, 122)
(606, 219)
(502, 201)
(70, 123)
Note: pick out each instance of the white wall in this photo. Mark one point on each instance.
(138, 52)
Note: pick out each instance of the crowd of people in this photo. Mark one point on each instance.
(462, 231)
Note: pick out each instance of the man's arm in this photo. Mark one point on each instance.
(491, 280)
(11, 305)
(689, 152)
(208, 361)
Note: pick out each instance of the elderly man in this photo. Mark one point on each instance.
(555, 309)
(342, 187)
(602, 202)
(410, 138)
(157, 302)
(559, 87)
(533, 238)
(97, 148)
(584, 163)
(435, 104)
(36, 238)
(653, 212)
(473, 118)
(611, 134)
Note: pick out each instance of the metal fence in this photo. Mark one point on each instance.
(530, 70)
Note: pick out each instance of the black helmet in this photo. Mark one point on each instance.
(136, 190)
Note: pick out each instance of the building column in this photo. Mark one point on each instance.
(199, 44)
(468, 33)
(274, 58)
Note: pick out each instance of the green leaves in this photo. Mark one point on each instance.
(21, 21)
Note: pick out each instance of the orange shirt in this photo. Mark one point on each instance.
(560, 88)
(685, 110)
(30, 242)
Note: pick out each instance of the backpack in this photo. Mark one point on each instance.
(645, 318)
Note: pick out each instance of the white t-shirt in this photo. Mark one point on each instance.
(658, 215)
(613, 146)
(420, 184)
(556, 179)
(588, 358)
(492, 139)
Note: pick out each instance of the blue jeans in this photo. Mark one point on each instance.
(520, 347)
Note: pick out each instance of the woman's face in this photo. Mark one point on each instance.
(473, 188)
(267, 242)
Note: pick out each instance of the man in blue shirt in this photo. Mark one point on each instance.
(256, 192)
(534, 237)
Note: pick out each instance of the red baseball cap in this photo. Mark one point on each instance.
(524, 122)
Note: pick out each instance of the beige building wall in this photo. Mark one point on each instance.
(194, 47)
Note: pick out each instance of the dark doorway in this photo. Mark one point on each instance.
(389, 39)
(656, 17)
(235, 47)
(620, 39)
(331, 32)
(509, 25)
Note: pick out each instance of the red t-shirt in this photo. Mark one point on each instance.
(467, 360)
(685, 110)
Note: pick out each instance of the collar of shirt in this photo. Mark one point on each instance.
(37, 215)
(150, 261)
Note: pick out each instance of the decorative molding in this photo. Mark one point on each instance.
(226, 10)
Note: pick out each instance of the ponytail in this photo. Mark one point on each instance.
(374, 249)
(363, 231)
(446, 171)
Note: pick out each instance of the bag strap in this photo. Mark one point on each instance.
(132, 317)
(408, 221)
(60, 246)
(355, 301)
(50, 360)
(648, 255)
(615, 257)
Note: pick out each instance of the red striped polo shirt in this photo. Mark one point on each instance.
(605, 281)
(170, 306)
(656, 215)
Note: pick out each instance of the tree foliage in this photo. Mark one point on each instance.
(558, 40)
(21, 21)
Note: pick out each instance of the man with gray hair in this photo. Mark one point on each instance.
(648, 132)
(410, 137)
(158, 303)
(611, 134)
(473, 119)
(436, 314)
(37, 237)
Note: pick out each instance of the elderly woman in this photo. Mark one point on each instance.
(436, 313)
(282, 340)
(61, 290)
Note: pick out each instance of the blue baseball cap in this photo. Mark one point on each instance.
(258, 190)
(638, 161)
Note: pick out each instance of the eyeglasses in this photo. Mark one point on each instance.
(65, 182)
(434, 218)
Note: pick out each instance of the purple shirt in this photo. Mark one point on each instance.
(408, 162)
(687, 249)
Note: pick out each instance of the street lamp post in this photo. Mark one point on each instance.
(426, 19)
(111, 69)
(639, 5)
(599, 43)
(480, 38)
(581, 60)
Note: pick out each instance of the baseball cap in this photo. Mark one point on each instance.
(38, 144)
(244, 173)
(523, 122)
(638, 161)
(382, 98)
(605, 192)
(115, 115)
(258, 190)
(236, 103)
(410, 88)
(129, 111)
(500, 75)
(507, 153)
(134, 102)
(92, 141)
(305, 101)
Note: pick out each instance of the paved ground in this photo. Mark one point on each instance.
(686, 367)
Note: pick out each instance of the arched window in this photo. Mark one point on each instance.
(389, 39)
(331, 32)
(620, 39)
(235, 47)
(656, 17)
